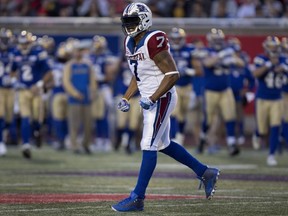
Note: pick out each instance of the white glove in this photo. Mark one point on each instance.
(123, 105)
(146, 103)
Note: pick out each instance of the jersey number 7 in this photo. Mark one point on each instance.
(135, 63)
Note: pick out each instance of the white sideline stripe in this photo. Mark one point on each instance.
(55, 209)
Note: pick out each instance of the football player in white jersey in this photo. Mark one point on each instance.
(154, 76)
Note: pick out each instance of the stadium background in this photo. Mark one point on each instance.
(251, 32)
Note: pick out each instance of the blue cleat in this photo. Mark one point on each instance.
(132, 203)
(209, 179)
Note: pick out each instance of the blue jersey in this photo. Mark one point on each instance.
(99, 63)
(57, 71)
(123, 79)
(31, 67)
(80, 80)
(183, 59)
(238, 78)
(285, 78)
(5, 69)
(217, 76)
(270, 83)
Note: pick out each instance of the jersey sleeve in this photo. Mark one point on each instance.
(157, 43)
(259, 61)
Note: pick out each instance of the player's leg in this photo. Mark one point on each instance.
(59, 113)
(262, 120)
(211, 101)
(207, 175)
(121, 119)
(240, 123)
(25, 106)
(101, 124)
(275, 116)
(174, 118)
(133, 123)
(38, 118)
(87, 126)
(155, 123)
(3, 149)
(285, 118)
(9, 107)
(183, 101)
(228, 111)
(74, 120)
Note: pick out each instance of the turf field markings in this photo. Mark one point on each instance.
(77, 198)
(17, 185)
(55, 209)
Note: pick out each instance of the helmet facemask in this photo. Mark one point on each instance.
(136, 18)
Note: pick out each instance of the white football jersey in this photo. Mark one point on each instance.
(140, 60)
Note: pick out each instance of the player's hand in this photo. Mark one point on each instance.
(123, 105)
(78, 96)
(35, 90)
(146, 103)
(225, 53)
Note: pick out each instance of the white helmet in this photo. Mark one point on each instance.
(136, 18)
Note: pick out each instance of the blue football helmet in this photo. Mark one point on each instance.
(177, 38)
(136, 18)
(25, 41)
(271, 46)
(5, 38)
(216, 39)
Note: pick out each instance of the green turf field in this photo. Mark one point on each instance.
(61, 183)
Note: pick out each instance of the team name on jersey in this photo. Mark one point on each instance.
(136, 56)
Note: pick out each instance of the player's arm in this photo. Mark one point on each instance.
(197, 67)
(166, 64)
(132, 89)
(69, 88)
(261, 67)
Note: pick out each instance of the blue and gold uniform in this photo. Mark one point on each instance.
(6, 91)
(269, 71)
(33, 71)
(218, 95)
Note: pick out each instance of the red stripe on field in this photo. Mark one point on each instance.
(62, 198)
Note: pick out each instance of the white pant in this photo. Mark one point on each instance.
(156, 120)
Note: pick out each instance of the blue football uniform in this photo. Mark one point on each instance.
(5, 69)
(183, 58)
(99, 63)
(270, 84)
(57, 71)
(216, 77)
(238, 77)
(31, 67)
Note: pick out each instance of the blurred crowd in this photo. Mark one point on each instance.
(161, 8)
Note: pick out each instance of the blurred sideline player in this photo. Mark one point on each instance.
(105, 66)
(6, 90)
(269, 71)
(33, 72)
(59, 97)
(284, 52)
(188, 67)
(128, 122)
(218, 94)
(79, 83)
(241, 81)
(195, 114)
(154, 76)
